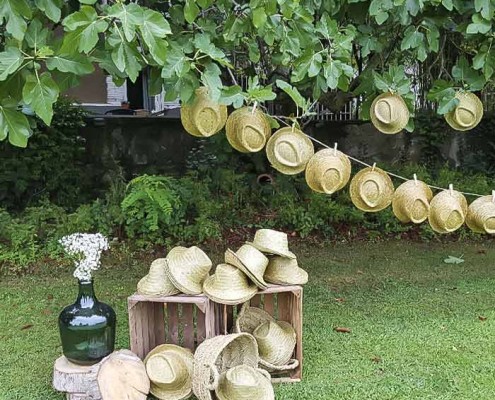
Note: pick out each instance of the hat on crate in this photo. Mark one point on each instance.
(467, 114)
(448, 210)
(276, 342)
(156, 282)
(245, 383)
(187, 268)
(289, 150)
(272, 242)
(389, 113)
(170, 368)
(285, 271)
(229, 285)
(411, 201)
(371, 189)
(328, 171)
(249, 318)
(247, 130)
(481, 215)
(251, 261)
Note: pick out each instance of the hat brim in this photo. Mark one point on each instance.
(386, 192)
(277, 252)
(289, 343)
(264, 386)
(396, 126)
(165, 290)
(232, 259)
(226, 296)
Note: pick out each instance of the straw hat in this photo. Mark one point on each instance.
(289, 150)
(245, 383)
(371, 189)
(481, 215)
(229, 285)
(247, 131)
(187, 268)
(328, 171)
(468, 112)
(156, 282)
(411, 201)
(251, 261)
(448, 210)
(389, 113)
(249, 318)
(272, 242)
(285, 271)
(216, 356)
(276, 342)
(170, 368)
(204, 117)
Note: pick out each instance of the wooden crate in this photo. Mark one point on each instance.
(182, 320)
(284, 303)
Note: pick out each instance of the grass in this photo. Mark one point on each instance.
(415, 321)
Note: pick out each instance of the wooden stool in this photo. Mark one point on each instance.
(77, 381)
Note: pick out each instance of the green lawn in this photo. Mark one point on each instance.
(416, 326)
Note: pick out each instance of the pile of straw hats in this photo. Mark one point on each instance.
(371, 189)
(467, 114)
(203, 117)
(448, 211)
(481, 215)
(389, 113)
(411, 201)
(328, 171)
(248, 130)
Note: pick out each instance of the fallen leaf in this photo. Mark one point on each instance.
(49, 297)
(453, 288)
(376, 359)
(360, 272)
(28, 326)
(481, 251)
(46, 311)
(339, 299)
(481, 318)
(293, 234)
(342, 330)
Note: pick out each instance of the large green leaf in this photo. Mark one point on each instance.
(191, 11)
(130, 16)
(15, 12)
(76, 64)
(40, 92)
(10, 61)
(14, 124)
(51, 8)
(126, 58)
(294, 94)
(211, 78)
(85, 27)
(36, 35)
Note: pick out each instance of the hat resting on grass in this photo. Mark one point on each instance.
(371, 189)
(248, 131)
(328, 171)
(251, 261)
(245, 383)
(156, 282)
(467, 114)
(274, 242)
(389, 113)
(411, 201)
(276, 344)
(448, 210)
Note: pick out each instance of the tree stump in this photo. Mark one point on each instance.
(77, 381)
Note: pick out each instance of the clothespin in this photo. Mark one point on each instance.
(451, 188)
(293, 127)
(254, 107)
(415, 179)
(335, 149)
(493, 196)
(373, 167)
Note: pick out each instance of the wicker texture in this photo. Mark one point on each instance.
(276, 342)
(216, 356)
(270, 241)
(289, 150)
(245, 383)
(251, 261)
(371, 189)
(411, 202)
(250, 318)
(156, 282)
(467, 114)
(285, 271)
(229, 285)
(448, 210)
(328, 171)
(247, 131)
(481, 215)
(389, 113)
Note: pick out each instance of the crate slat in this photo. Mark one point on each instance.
(200, 326)
(188, 323)
(268, 302)
(173, 323)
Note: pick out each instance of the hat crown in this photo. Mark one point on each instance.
(465, 116)
(242, 383)
(276, 341)
(385, 110)
(229, 275)
(252, 137)
(287, 150)
(167, 370)
(370, 192)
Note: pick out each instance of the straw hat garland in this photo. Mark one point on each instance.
(270, 241)
(289, 150)
(245, 383)
(448, 210)
(247, 130)
(156, 282)
(328, 171)
(389, 113)
(467, 114)
(229, 285)
(285, 271)
(371, 189)
(481, 215)
(251, 261)
(411, 201)
(170, 368)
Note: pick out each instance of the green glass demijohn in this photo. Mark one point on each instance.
(87, 328)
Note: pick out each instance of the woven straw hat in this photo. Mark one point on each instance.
(389, 113)
(468, 112)
(251, 261)
(276, 342)
(272, 242)
(481, 215)
(216, 356)
(187, 268)
(411, 201)
(156, 282)
(371, 189)
(289, 150)
(285, 271)
(250, 318)
(229, 285)
(245, 383)
(247, 131)
(170, 368)
(328, 171)
(204, 117)
(448, 210)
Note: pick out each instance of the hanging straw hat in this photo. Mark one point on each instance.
(229, 285)
(216, 356)
(156, 282)
(204, 117)
(187, 268)
(247, 130)
(249, 318)
(328, 171)
(389, 113)
(251, 261)
(371, 189)
(170, 368)
(272, 242)
(481, 215)
(448, 210)
(285, 271)
(245, 383)
(468, 112)
(411, 201)
(289, 150)
(276, 342)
